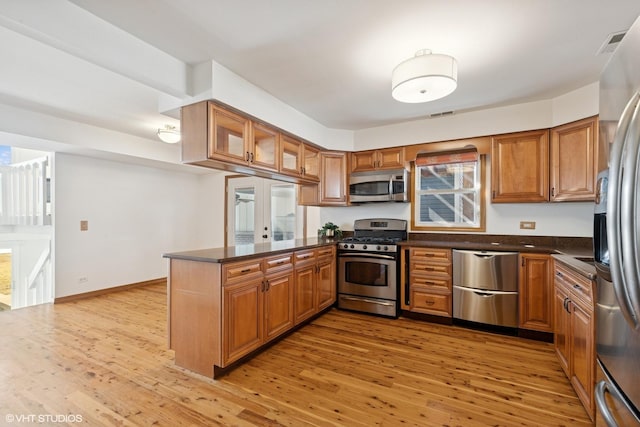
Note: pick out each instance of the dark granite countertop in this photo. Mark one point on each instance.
(498, 242)
(480, 246)
(237, 253)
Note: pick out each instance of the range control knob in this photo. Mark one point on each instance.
(346, 246)
(378, 247)
(386, 248)
(352, 246)
(364, 247)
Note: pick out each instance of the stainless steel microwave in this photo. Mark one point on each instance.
(379, 186)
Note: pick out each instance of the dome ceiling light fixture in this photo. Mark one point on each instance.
(425, 77)
(169, 134)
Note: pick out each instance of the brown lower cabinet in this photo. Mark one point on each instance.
(535, 292)
(315, 285)
(221, 312)
(574, 332)
(429, 282)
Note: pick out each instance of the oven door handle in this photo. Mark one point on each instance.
(370, 301)
(367, 255)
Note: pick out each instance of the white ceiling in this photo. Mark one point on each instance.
(112, 63)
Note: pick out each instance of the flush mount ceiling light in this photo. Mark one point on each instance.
(425, 77)
(169, 134)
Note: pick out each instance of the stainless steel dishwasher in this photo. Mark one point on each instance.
(485, 287)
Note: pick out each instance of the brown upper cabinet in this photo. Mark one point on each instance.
(388, 158)
(520, 167)
(218, 137)
(298, 159)
(555, 165)
(332, 189)
(574, 160)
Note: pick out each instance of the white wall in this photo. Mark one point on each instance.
(135, 213)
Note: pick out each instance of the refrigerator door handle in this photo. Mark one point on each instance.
(616, 216)
(629, 216)
(601, 403)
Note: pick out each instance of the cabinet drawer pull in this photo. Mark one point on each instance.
(246, 270)
(429, 302)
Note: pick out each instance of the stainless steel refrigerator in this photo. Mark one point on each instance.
(617, 238)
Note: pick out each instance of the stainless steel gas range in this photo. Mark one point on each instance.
(368, 272)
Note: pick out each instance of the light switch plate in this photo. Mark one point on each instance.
(527, 225)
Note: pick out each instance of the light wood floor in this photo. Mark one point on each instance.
(105, 359)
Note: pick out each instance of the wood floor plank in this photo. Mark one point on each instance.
(106, 358)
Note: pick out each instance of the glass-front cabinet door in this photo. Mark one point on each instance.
(265, 145)
(311, 163)
(229, 132)
(290, 157)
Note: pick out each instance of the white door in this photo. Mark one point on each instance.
(260, 210)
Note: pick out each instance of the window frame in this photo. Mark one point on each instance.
(415, 200)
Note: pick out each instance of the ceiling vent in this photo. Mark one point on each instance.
(444, 113)
(612, 41)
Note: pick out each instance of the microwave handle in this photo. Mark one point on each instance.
(391, 187)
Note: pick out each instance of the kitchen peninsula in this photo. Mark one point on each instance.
(226, 303)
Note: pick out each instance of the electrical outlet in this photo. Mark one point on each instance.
(83, 279)
(527, 225)
(84, 225)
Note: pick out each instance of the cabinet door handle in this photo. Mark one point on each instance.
(262, 286)
(247, 157)
(553, 191)
(493, 194)
(267, 285)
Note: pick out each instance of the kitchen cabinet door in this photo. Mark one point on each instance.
(290, 156)
(583, 353)
(305, 293)
(311, 167)
(278, 304)
(574, 161)
(229, 136)
(243, 313)
(326, 282)
(332, 189)
(520, 167)
(264, 150)
(391, 158)
(562, 327)
(388, 158)
(536, 292)
(575, 333)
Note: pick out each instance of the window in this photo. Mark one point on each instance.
(448, 192)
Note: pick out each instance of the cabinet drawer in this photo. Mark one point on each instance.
(278, 262)
(431, 254)
(326, 252)
(423, 301)
(304, 257)
(241, 269)
(428, 281)
(425, 268)
(581, 287)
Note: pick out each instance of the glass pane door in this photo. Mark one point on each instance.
(283, 211)
(244, 213)
(260, 210)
